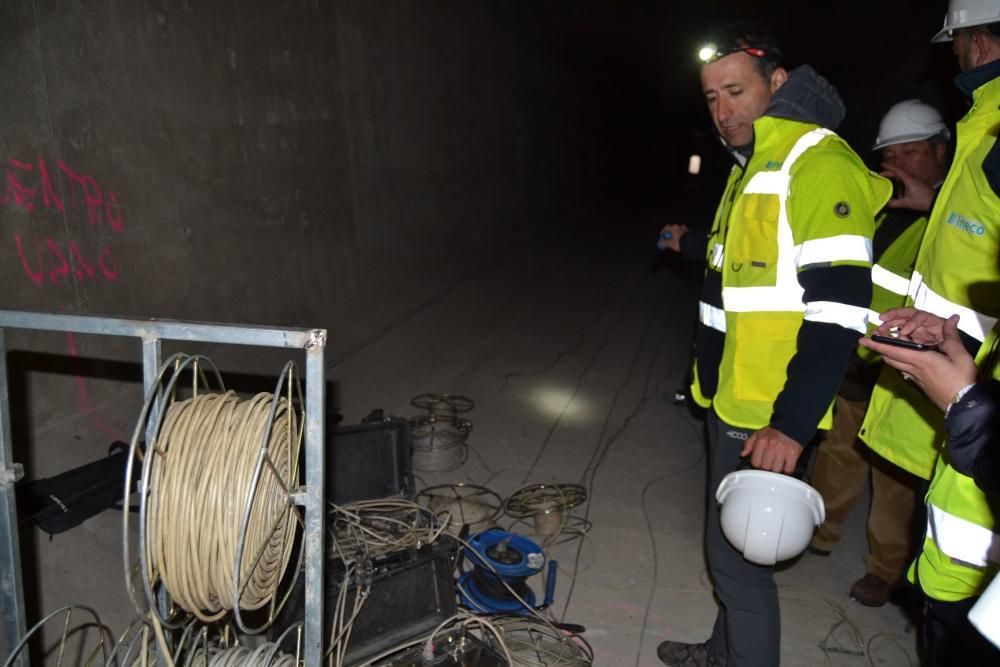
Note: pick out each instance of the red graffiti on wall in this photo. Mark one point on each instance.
(42, 257)
(84, 404)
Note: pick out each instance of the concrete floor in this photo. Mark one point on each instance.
(571, 349)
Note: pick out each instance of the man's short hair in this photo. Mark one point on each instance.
(741, 35)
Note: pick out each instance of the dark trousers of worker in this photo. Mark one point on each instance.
(843, 464)
(747, 630)
(950, 639)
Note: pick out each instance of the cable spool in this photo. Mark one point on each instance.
(217, 527)
(501, 563)
(546, 504)
(439, 442)
(533, 643)
(443, 404)
(458, 505)
(81, 633)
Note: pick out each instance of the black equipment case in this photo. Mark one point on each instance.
(369, 460)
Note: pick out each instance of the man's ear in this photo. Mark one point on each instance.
(987, 46)
(778, 78)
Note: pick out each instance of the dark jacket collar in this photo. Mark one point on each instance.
(969, 80)
(805, 97)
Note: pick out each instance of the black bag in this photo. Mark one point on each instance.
(56, 504)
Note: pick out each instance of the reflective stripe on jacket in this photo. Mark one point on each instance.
(891, 276)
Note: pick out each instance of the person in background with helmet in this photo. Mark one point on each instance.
(913, 141)
(785, 298)
(956, 273)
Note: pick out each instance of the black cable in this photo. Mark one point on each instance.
(491, 586)
(600, 453)
(583, 373)
(555, 361)
(652, 537)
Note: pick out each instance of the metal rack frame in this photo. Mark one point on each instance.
(152, 333)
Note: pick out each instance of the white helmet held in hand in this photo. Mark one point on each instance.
(966, 14)
(910, 120)
(985, 614)
(768, 516)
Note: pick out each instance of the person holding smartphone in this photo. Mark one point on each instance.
(966, 482)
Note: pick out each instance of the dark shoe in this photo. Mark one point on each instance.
(871, 591)
(679, 654)
(816, 551)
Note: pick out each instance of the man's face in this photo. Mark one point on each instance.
(737, 95)
(921, 159)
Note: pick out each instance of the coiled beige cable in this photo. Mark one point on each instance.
(207, 453)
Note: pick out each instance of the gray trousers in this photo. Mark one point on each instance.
(747, 630)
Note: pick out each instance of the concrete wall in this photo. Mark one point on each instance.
(171, 159)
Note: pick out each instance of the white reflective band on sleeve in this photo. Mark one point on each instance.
(752, 299)
(874, 318)
(715, 257)
(712, 317)
(963, 540)
(846, 247)
(886, 279)
(854, 318)
(971, 322)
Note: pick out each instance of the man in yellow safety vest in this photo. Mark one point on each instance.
(785, 298)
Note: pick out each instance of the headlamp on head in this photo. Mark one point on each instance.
(709, 53)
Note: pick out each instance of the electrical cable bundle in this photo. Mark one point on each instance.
(440, 437)
(371, 528)
(266, 655)
(458, 505)
(207, 452)
(343, 621)
(548, 506)
(362, 531)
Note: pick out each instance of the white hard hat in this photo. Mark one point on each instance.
(966, 14)
(768, 516)
(909, 120)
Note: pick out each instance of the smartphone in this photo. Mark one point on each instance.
(901, 342)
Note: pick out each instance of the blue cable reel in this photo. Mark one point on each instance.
(501, 564)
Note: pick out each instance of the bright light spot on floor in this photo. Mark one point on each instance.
(694, 164)
(555, 402)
